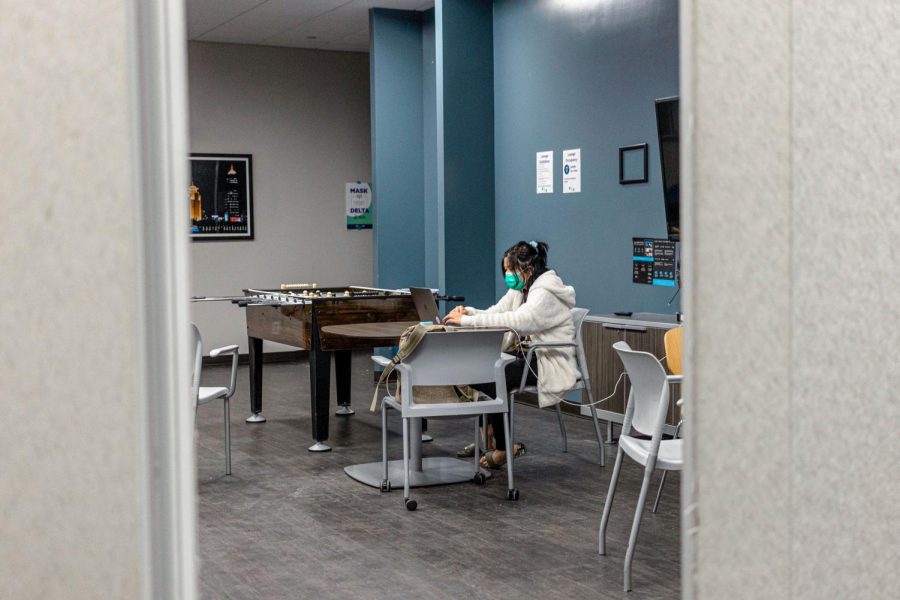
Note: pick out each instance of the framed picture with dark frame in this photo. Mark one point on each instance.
(633, 164)
(220, 196)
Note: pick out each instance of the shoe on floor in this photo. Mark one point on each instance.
(467, 452)
(491, 463)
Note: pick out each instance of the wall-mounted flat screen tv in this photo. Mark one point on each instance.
(667, 128)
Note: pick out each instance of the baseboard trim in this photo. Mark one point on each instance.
(268, 357)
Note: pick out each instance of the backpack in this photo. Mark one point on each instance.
(424, 394)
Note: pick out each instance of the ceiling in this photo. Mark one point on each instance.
(324, 24)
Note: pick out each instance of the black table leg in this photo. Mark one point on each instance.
(319, 395)
(256, 370)
(342, 382)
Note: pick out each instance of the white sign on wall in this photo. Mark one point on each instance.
(572, 171)
(544, 163)
(359, 205)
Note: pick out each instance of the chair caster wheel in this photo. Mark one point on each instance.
(385, 486)
(411, 504)
(479, 478)
(512, 494)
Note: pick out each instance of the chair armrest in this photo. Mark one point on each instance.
(224, 350)
(403, 368)
(504, 360)
(381, 361)
(531, 348)
(233, 350)
(552, 345)
(674, 378)
(500, 374)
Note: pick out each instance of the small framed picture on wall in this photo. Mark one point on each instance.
(633, 164)
(220, 196)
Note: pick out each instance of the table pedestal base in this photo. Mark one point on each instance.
(439, 470)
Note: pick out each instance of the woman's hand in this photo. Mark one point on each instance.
(454, 317)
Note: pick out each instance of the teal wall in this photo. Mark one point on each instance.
(465, 100)
(463, 96)
(432, 148)
(395, 58)
(429, 151)
(583, 75)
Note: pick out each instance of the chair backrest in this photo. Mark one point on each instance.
(578, 315)
(672, 342)
(197, 345)
(649, 389)
(458, 357)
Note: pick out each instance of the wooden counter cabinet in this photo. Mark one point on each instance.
(643, 332)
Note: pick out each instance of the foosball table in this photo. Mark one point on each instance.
(296, 315)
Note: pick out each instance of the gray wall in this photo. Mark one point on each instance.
(304, 116)
(71, 500)
(583, 75)
(791, 370)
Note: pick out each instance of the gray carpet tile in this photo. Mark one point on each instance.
(289, 523)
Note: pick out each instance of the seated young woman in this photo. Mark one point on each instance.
(537, 307)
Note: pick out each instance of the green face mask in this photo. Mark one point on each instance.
(514, 282)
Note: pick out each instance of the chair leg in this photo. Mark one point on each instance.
(562, 427)
(227, 438)
(477, 444)
(636, 525)
(384, 456)
(512, 420)
(405, 459)
(607, 507)
(511, 492)
(600, 443)
(662, 482)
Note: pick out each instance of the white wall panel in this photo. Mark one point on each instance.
(739, 246)
(793, 299)
(71, 509)
(846, 300)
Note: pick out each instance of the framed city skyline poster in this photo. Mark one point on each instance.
(220, 196)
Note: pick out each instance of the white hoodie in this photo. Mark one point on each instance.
(546, 317)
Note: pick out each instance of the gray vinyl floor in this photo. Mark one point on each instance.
(289, 523)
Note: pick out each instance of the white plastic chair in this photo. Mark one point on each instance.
(460, 357)
(646, 412)
(203, 395)
(583, 382)
(672, 343)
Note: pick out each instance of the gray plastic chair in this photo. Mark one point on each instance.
(582, 383)
(459, 357)
(204, 395)
(646, 412)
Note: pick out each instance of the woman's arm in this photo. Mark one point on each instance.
(505, 304)
(542, 311)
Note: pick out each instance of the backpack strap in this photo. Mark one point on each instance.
(409, 341)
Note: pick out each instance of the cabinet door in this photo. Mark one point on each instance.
(605, 368)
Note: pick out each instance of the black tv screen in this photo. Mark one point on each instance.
(667, 129)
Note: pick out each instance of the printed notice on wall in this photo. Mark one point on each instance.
(359, 205)
(572, 171)
(545, 172)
